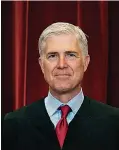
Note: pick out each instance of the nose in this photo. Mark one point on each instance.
(62, 63)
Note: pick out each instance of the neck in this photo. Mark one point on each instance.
(64, 97)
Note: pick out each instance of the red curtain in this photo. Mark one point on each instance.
(22, 24)
(20, 36)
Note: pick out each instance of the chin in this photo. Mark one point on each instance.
(62, 89)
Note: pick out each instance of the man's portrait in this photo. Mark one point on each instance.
(60, 75)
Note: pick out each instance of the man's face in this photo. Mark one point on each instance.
(63, 64)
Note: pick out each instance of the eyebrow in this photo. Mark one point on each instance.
(52, 53)
(71, 52)
(64, 52)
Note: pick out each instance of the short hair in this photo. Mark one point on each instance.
(64, 28)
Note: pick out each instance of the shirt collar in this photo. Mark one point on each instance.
(52, 104)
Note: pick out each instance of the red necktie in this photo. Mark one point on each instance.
(62, 125)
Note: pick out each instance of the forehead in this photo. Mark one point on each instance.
(61, 42)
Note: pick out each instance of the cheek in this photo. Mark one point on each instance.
(78, 70)
(48, 70)
(77, 66)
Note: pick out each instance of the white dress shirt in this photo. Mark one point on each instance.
(52, 104)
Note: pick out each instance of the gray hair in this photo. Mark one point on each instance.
(63, 28)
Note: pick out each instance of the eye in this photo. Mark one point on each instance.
(52, 56)
(72, 55)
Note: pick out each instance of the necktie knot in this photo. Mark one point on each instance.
(65, 110)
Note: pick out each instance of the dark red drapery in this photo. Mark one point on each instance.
(23, 22)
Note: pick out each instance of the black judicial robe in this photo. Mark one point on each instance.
(95, 127)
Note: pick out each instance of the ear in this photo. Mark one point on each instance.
(86, 62)
(41, 64)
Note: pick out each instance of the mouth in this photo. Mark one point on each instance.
(62, 76)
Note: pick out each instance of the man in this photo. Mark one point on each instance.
(65, 119)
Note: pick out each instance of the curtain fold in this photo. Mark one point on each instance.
(20, 30)
(104, 45)
(79, 14)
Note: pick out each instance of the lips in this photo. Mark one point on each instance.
(62, 75)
